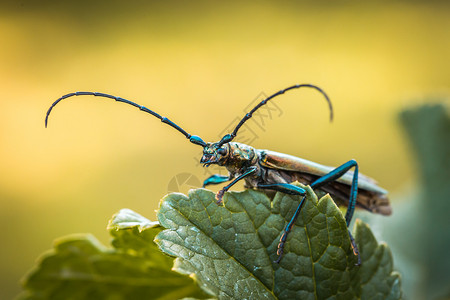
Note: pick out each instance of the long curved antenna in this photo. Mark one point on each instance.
(192, 138)
(229, 137)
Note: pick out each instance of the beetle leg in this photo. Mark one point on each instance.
(292, 190)
(215, 179)
(220, 193)
(332, 176)
(335, 174)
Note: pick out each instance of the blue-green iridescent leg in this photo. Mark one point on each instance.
(292, 190)
(332, 176)
(215, 179)
(248, 172)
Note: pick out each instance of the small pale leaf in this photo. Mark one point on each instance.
(80, 267)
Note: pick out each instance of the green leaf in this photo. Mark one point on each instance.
(232, 248)
(80, 267)
(376, 276)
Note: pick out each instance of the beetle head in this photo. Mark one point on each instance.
(214, 153)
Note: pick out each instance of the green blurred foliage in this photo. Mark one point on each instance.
(418, 230)
(428, 128)
(201, 64)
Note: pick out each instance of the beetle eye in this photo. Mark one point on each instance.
(222, 151)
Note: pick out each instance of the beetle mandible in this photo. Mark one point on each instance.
(275, 172)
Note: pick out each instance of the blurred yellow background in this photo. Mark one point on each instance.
(200, 64)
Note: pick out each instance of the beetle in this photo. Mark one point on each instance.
(271, 171)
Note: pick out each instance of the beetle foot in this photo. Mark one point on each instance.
(219, 196)
(355, 250)
(280, 247)
(279, 252)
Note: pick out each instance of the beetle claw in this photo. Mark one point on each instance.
(219, 196)
(278, 259)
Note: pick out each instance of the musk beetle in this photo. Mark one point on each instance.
(271, 171)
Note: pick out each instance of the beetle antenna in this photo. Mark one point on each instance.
(230, 137)
(192, 138)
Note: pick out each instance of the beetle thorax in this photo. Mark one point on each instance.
(240, 156)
